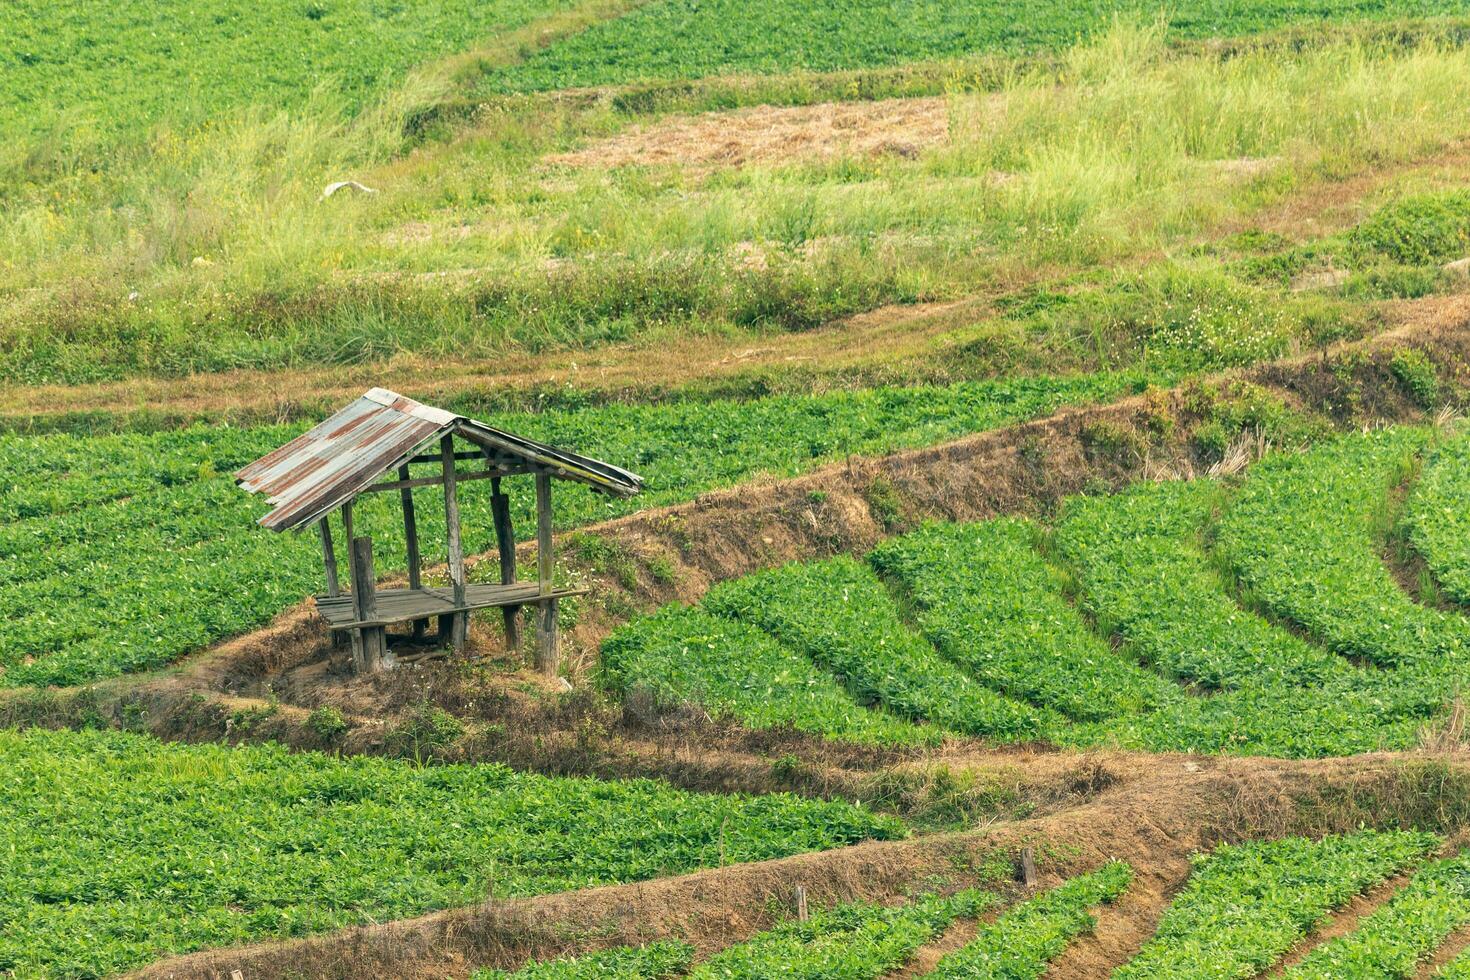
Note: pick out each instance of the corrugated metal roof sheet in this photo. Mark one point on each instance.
(377, 433)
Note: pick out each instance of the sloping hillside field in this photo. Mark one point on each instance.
(1035, 528)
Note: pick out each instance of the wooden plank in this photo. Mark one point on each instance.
(1028, 867)
(437, 458)
(460, 626)
(347, 527)
(329, 557)
(505, 544)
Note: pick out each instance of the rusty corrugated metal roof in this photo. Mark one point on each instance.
(377, 433)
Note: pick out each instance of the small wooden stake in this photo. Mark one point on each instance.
(459, 625)
(802, 914)
(1028, 866)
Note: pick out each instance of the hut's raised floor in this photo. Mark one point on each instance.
(406, 605)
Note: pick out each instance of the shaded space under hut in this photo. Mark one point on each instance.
(386, 434)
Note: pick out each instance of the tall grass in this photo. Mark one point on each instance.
(475, 244)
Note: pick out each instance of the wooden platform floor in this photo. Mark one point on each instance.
(405, 605)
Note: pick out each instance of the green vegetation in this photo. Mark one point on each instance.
(118, 68)
(652, 962)
(144, 847)
(854, 942)
(991, 604)
(1121, 148)
(1019, 944)
(678, 39)
(1144, 575)
(1436, 519)
(839, 614)
(1304, 537)
(1393, 940)
(123, 552)
(682, 655)
(1247, 904)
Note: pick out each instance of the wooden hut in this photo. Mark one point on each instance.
(415, 445)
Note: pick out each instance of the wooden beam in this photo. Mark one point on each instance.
(437, 458)
(374, 643)
(459, 628)
(434, 481)
(347, 524)
(548, 642)
(411, 539)
(505, 544)
(329, 557)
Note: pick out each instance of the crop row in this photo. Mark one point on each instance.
(123, 552)
(677, 39)
(122, 66)
(1438, 521)
(143, 847)
(1245, 905)
(861, 941)
(1018, 647)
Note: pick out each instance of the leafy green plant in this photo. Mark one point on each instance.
(1436, 519)
(1019, 944)
(1416, 373)
(145, 847)
(1247, 904)
(687, 655)
(854, 942)
(838, 613)
(327, 722)
(1393, 940)
(991, 604)
(652, 962)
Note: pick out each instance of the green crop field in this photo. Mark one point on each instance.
(167, 507)
(676, 39)
(117, 68)
(148, 848)
(1162, 672)
(1195, 669)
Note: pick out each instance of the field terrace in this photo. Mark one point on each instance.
(957, 364)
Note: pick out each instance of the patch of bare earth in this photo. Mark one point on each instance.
(774, 134)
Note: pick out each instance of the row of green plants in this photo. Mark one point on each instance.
(683, 39)
(123, 552)
(1246, 905)
(117, 848)
(1436, 519)
(119, 70)
(861, 941)
(1394, 939)
(1000, 629)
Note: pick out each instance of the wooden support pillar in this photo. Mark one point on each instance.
(548, 642)
(459, 625)
(373, 640)
(347, 525)
(505, 544)
(329, 557)
(411, 537)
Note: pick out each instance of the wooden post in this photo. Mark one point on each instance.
(505, 543)
(548, 643)
(802, 914)
(459, 625)
(329, 558)
(411, 537)
(347, 524)
(1028, 866)
(374, 642)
